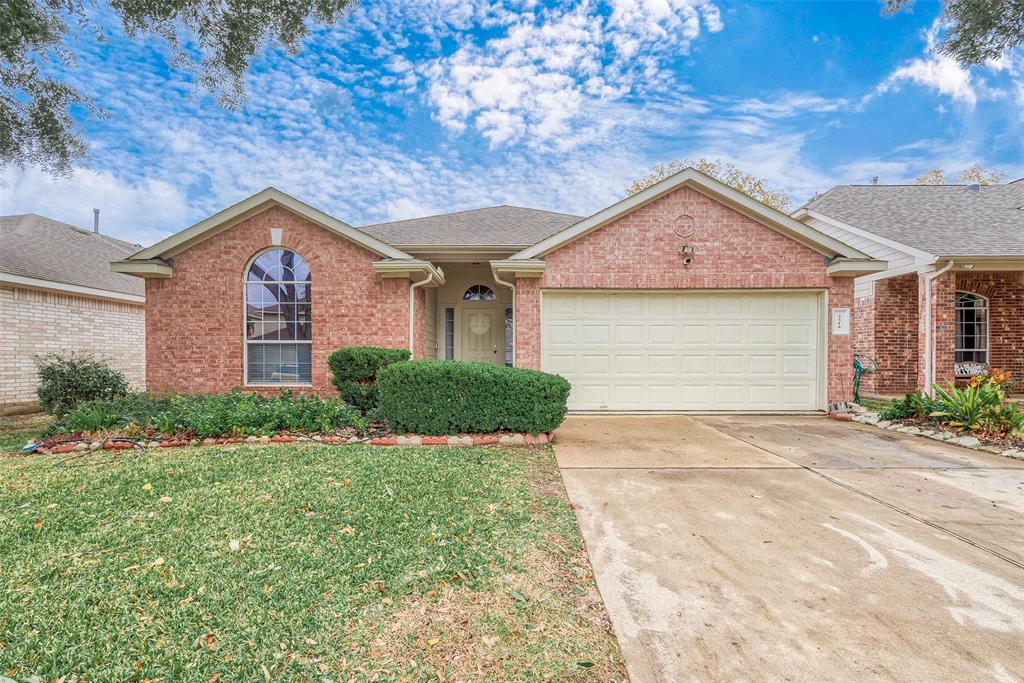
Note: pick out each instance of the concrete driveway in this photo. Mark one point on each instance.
(799, 548)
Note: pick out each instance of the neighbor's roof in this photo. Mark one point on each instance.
(491, 226)
(944, 220)
(37, 247)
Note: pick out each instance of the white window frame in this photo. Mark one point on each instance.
(957, 322)
(245, 311)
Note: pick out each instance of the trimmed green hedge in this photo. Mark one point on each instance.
(355, 372)
(453, 397)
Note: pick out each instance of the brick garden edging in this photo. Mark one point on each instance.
(965, 440)
(512, 439)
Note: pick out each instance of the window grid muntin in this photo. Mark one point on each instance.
(269, 359)
(449, 333)
(479, 293)
(971, 329)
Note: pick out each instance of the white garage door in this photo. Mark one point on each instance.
(735, 350)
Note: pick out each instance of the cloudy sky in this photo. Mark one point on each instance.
(406, 109)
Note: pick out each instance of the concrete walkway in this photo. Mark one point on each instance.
(799, 548)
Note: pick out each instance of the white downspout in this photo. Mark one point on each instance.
(412, 311)
(515, 315)
(929, 332)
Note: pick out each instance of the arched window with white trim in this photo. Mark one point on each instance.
(479, 293)
(971, 329)
(278, 320)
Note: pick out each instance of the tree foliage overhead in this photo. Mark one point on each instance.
(974, 173)
(977, 30)
(746, 183)
(214, 39)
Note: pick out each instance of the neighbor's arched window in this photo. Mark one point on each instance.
(479, 293)
(971, 328)
(278, 319)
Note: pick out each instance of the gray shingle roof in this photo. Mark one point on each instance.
(944, 220)
(494, 225)
(38, 247)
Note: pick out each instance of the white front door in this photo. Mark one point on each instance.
(686, 350)
(482, 339)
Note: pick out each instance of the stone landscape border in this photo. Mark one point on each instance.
(867, 417)
(124, 443)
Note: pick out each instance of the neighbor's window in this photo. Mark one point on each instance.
(278, 320)
(479, 293)
(509, 331)
(449, 334)
(971, 328)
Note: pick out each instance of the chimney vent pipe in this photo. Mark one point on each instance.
(96, 221)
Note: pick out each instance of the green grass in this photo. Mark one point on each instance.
(873, 405)
(298, 562)
(15, 431)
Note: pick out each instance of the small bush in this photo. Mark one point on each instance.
(66, 381)
(212, 415)
(917, 405)
(452, 397)
(355, 372)
(981, 406)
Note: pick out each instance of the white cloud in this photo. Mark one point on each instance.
(936, 71)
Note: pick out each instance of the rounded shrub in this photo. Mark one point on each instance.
(66, 381)
(453, 397)
(355, 372)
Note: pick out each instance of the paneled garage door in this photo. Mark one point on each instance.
(733, 350)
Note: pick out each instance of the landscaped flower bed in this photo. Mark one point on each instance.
(979, 415)
(143, 421)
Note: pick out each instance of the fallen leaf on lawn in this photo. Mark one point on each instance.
(157, 562)
(165, 499)
(489, 641)
(235, 545)
(147, 487)
(433, 641)
(206, 640)
(214, 677)
(517, 595)
(346, 531)
(38, 524)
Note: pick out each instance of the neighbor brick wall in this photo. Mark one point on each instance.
(640, 251)
(41, 322)
(194, 323)
(1005, 293)
(943, 321)
(893, 315)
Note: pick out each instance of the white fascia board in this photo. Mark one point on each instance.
(867, 234)
(222, 220)
(407, 267)
(842, 267)
(521, 267)
(64, 288)
(148, 268)
(717, 190)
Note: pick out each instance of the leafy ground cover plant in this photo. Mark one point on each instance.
(354, 371)
(453, 397)
(66, 381)
(200, 416)
(982, 406)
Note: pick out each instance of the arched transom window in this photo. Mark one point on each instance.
(278, 319)
(971, 329)
(479, 293)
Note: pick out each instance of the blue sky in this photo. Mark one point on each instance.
(407, 109)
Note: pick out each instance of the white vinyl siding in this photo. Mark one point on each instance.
(686, 350)
(430, 324)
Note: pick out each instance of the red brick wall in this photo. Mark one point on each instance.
(894, 313)
(1005, 293)
(943, 321)
(639, 251)
(194, 321)
(864, 337)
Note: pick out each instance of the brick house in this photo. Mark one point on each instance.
(57, 295)
(951, 302)
(688, 295)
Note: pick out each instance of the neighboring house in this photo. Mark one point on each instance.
(57, 295)
(688, 295)
(951, 303)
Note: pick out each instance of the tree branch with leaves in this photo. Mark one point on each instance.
(729, 174)
(216, 40)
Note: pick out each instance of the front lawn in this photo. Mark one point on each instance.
(296, 562)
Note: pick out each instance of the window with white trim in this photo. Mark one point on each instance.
(479, 293)
(449, 333)
(971, 328)
(278, 320)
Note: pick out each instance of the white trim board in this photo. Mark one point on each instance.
(64, 288)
